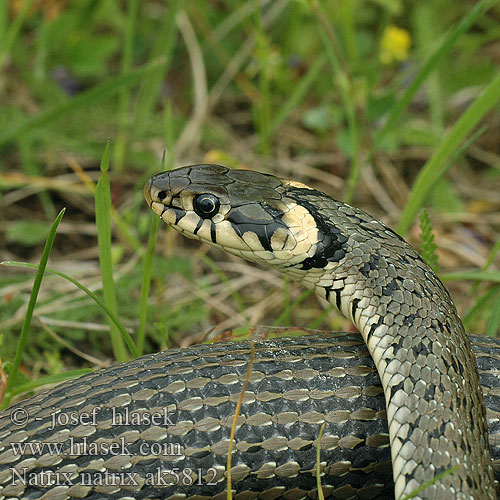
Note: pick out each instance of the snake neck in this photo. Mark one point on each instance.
(437, 424)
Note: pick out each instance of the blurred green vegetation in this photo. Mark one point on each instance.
(362, 98)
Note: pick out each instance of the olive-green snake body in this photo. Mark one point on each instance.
(433, 407)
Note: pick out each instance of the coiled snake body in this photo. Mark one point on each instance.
(435, 415)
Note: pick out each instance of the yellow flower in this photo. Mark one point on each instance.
(394, 44)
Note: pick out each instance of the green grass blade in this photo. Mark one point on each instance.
(432, 481)
(125, 335)
(164, 47)
(103, 223)
(492, 255)
(4, 20)
(262, 105)
(146, 283)
(169, 137)
(87, 98)
(120, 148)
(433, 169)
(347, 19)
(472, 275)
(321, 495)
(29, 312)
(470, 315)
(341, 75)
(427, 245)
(13, 31)
(446, 45)
(153, 233)
(494, 321)
(426, 26)
(50, 379)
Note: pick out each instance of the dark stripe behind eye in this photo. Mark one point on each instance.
(198, 227)
(338, 298)
(212, 232)
(179, 214)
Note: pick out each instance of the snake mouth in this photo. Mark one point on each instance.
(169, 212)
(160, 208)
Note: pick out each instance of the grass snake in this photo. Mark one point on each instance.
(158, 426)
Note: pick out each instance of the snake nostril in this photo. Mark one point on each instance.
(162, 195)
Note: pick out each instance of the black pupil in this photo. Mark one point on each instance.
(162, 195)
(206, 205)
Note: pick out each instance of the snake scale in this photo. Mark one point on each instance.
(182, 402)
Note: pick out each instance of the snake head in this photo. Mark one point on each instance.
(247, 213)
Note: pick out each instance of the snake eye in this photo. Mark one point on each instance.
(206, 205)
(162, 195)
